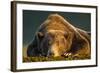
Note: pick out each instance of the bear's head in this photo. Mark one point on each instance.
(54, 42)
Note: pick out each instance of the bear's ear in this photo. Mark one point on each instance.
(40, 34)
(66, 34)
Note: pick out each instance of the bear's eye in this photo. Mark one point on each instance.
(51, 35)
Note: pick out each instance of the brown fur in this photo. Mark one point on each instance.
(65, 38)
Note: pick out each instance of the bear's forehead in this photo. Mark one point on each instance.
(56, 31)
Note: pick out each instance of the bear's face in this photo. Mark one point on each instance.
(55, 43)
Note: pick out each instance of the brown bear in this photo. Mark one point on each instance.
(57, 37)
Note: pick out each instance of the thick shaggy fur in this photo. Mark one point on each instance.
(57, 37)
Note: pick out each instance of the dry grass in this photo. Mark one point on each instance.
(42, 59)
